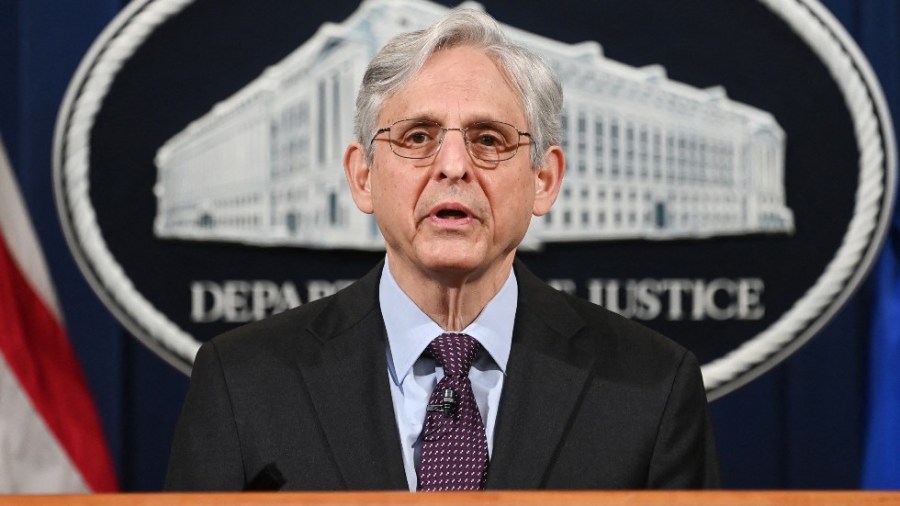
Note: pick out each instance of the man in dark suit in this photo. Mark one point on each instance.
(449, 366)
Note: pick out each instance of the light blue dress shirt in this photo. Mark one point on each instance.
(413, 377)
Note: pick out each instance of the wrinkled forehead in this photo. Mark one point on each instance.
(439, 74)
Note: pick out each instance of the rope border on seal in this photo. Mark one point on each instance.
(828, 293)
(71, 160)
(807, 18)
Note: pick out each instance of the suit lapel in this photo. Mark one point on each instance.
(540, 374)
(349, 391)
(348, 385)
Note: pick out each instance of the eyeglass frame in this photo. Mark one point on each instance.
(444, 131)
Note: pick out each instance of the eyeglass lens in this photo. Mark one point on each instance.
(490, 141)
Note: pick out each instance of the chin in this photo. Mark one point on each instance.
(453, 264)
(458, 254)
(452, 258)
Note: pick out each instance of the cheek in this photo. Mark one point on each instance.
(394, 196)
(511, 194)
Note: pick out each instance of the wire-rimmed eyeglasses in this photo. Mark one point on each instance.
(489, 141)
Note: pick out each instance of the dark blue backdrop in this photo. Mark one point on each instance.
(799, 426)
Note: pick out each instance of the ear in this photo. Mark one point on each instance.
(548, 180)
(358, 176)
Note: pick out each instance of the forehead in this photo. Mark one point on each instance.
(458, 85)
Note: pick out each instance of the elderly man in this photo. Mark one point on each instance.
(449, 366)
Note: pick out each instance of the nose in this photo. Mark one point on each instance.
(452, 160)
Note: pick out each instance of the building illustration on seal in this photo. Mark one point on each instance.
(647, 157)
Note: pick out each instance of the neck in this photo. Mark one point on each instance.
(451, 299)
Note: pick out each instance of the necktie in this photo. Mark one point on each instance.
(454, 444)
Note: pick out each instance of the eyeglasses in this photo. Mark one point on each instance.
(489, 141)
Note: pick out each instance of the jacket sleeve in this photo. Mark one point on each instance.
(206, 451)
(684, 456)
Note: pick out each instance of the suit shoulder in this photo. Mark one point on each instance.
(618, 327)
(619, 347)
(287, 323)
(629, 356)
(592, 325)
(304, 324)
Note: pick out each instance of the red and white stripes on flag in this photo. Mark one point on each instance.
(50, 435)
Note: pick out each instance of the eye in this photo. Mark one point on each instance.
(417, 137)
(488, 140)
(486, 137)
(493, 135)
(414, 133)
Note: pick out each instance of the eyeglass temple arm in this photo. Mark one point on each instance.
(379, 132)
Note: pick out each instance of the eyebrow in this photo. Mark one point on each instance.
(423, 117)
(476, 118)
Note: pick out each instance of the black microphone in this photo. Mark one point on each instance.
(269, 479)
(447, 405)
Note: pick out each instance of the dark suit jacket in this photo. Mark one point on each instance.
(591, 400)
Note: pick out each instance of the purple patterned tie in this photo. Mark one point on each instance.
(454, 444)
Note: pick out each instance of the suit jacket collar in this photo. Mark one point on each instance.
(541, 373)
(348, 385)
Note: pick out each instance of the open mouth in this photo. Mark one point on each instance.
(452, 214)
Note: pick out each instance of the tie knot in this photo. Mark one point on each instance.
(454, 352)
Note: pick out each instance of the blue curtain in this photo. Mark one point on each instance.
(881, 467)
(806, 424)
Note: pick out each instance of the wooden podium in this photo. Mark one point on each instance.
(535, 498)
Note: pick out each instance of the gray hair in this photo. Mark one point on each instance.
(403, 57)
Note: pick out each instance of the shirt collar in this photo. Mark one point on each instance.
(410, 330)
